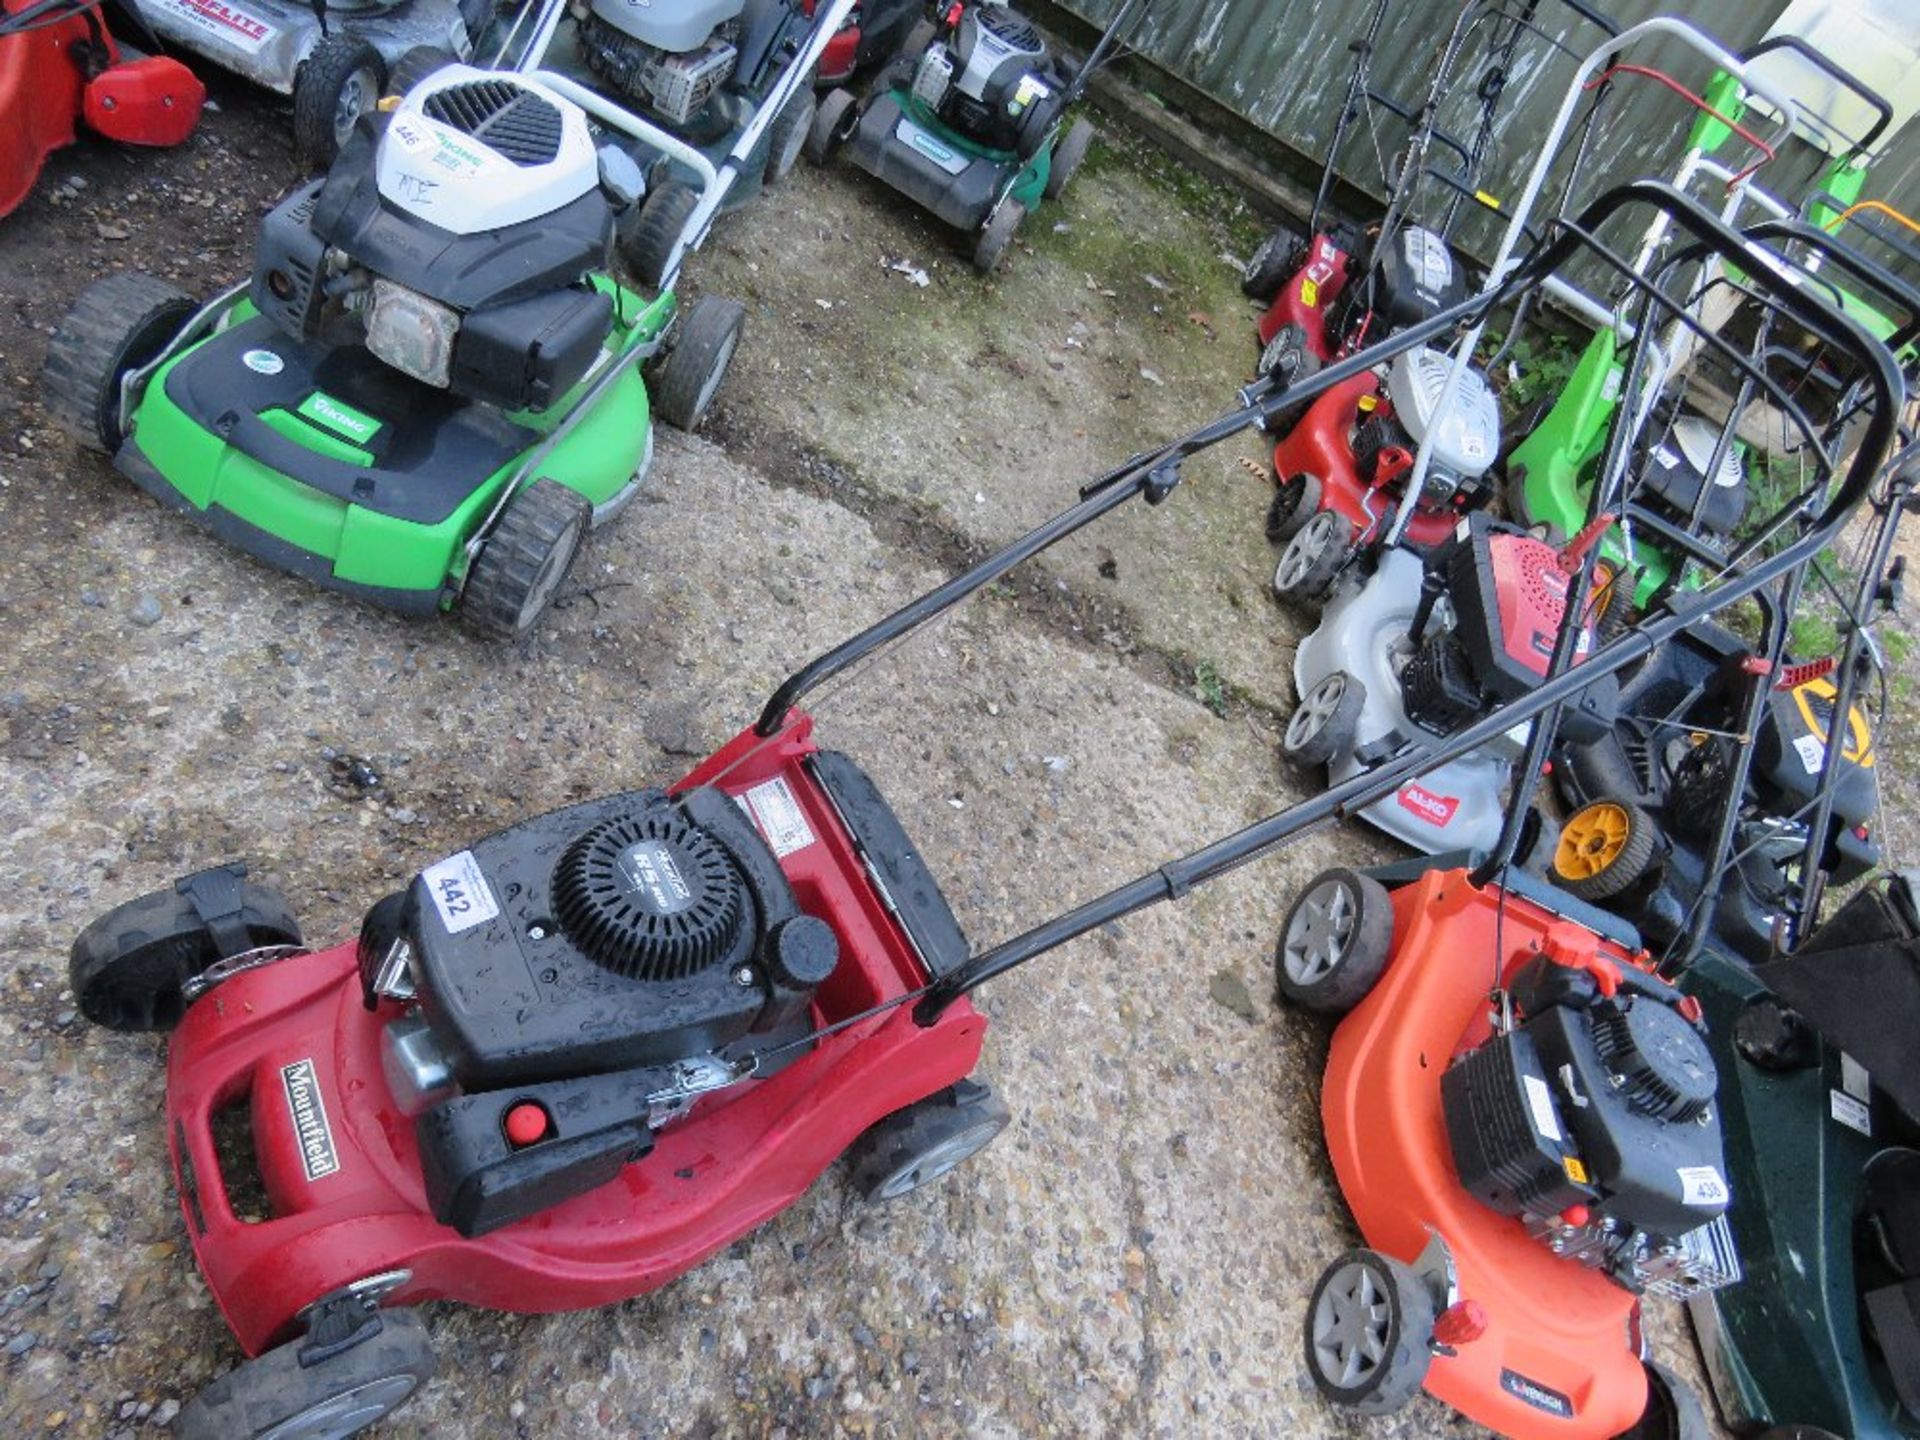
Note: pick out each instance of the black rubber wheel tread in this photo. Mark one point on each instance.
(316, 93)
(997, 235)
(1311, 583)
(1411, 1318)
(1539, 838)
(891, 1147)
(514, 577)
(416, 65)
(707, 339)
(259, 1394)
(1637, 856)
(647, 241)
(1359, 969)
(1673, 1411)
(115, 325)
(1068, 156)
(1335, 735)
(127, 967)
(1296, 499)
(1269, 265)
(832, 121)
(790, 134)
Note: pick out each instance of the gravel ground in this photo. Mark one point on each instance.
(1134, 1256)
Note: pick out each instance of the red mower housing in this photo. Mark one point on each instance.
(1308, 295)
(345, 1199)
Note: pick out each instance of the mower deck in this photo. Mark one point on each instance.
(898, 142)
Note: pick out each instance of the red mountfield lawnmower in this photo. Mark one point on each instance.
(568, 1063)
(58, 66)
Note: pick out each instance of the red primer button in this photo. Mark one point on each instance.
(526, 1124)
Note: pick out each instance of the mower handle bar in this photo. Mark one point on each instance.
(1175, 878)
(1841, 76)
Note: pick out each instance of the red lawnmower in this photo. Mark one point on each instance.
(58, 66)
(568, 1063)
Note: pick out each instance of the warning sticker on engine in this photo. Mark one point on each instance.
(1540, 1101)
(778, 815)
(1854, 1078)
(1852, 1113)
(1702, 1185)
(460, 892)
(225, 23)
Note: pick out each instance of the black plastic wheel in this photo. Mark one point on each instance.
(1605, 847)
(1514, 494)
(833, 121)
(1068, 156)
(116, 325)
(1673, 1411)
(1697, 792)
(1367, 1329)
(1286, 359)
(1539, 839)
(338, 83)
(648, 238)
(127, 968)
(788, 135)
(997, 235)
(1313, 557)
(1335, 942)
(696, 367)
(1271, 263)
(1323, 724)
(275, 1395)
(525, 560)
(416, 65)
(1296, 500)
(917, 1145)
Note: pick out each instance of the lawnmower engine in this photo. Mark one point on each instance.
(991, 78)
(1505, 594)
(456, 240)
(1591, 1118)
(572, 984)
(674, 58)
(1410, 279)
(1465, 439)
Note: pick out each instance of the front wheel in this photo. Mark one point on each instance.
(1325, 722)
(994, 239)
(1368, 1325)
(116, 325)
(833, 121)
(789, 133)
(525, 559)
(276, 1395)
(916, 1146)
(1296, 500)
(337, 84)
(696, 367)
(1313, 557)
(1604, 848)
(647, 240)
(1068, 156)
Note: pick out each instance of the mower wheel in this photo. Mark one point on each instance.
(1539, 840)
(1313, 557)
(833, 121)
(1334, 943)
(1604, 848)
(991, 248)
(338, 83)
(277, 1395)
(1068, 156)
(1270, 264)
(116, 325)
(1673, 1411)
(1368, 1325)
(1296, 500)
(416, 65)
(1323, 724)
(1286, 359)
(917, 1145)
(647, 239)
(525, 559)
(788, 135)
(127, 968)
(1515, 496)
(697, 365)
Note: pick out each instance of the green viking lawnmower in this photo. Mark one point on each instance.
(971, 121)
(429, 390)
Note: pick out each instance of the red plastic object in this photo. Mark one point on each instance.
(154, 101)
(526, 1125)
(1461, 1323)
(1554, 1328)
(1307, 296)
(1322, 444)
(1792, 677)
(739, 1158)
(842, 55)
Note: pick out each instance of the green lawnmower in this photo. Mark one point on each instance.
(430, 389)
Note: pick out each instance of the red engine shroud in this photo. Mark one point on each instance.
(742, 1155)
(1308, 295)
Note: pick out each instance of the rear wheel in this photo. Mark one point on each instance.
(916, 1146)
(1068, 156)
(647, 241)
(697, 365)
(116, 325)
(337, 84)
(1313, 557)
(833, 121)
(1323, 724)
(1673, 1411)
(128, 968)
(1334, 943)
(1287, 361)
(277, 1397)
(416, 65)
(1368, 1324)
(525, 559)
(997, 235)
(1604, 848)
(1296, 500)
(789, 134)
(1270, 264)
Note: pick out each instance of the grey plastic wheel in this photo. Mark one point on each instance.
(1335, 942)
(116, 325)
(997, 236)
(916, 1146)
(1367, 1329)
(525, 560)
(340, 81)
(1296, 500)
(1323, 723)
(275, 1397)
(696, 367)
(1313, 557)
(1068, 156)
